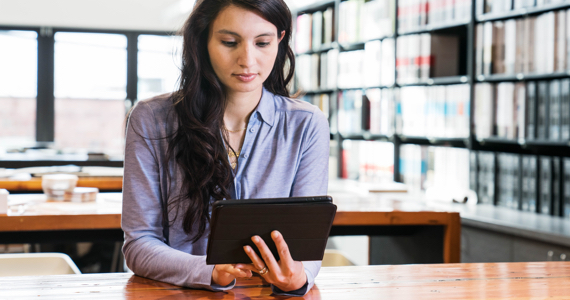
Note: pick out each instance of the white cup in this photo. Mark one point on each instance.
(55, 185)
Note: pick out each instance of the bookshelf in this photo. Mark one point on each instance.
(500, 148)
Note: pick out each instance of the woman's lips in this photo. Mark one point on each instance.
(246, 77)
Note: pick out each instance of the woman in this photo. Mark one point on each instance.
(229, 132)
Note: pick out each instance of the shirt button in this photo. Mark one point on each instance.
(245, 156)
(252, 130)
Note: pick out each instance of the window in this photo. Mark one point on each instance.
(90, 91)
(18, 87)
(159, 63)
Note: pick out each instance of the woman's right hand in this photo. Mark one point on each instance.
(224, 274)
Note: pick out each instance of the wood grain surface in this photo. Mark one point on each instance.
(35, 184)
(535, 280)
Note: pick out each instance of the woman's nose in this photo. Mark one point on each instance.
(246, 56)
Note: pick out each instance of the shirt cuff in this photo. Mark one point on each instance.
(216, 287)
(299, 292)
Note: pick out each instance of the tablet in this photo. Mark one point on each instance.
(304, 222)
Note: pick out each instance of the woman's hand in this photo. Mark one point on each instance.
(224, 274)
(287, 274)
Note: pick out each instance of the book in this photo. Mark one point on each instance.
(484, 110)
(303, 35)
(479, 49)
(372, 63)
(388, 66)
(505, 108)
(317, 30)
(488, 48)
(498, 56)
(510, 31)
(328, 27)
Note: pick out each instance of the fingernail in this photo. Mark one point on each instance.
(246, 248)
(275, 234)
(255, 238)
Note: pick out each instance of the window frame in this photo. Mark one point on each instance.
(45, 98)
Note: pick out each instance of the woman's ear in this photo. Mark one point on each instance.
(281, 35)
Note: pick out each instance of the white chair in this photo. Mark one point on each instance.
(31, 264)
(335, 258)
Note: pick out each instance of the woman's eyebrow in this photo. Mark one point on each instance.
(225, 31)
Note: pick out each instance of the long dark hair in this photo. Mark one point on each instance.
(197, 146)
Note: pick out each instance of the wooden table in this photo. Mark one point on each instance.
(374, 214)
(536, 280)
(35, 184)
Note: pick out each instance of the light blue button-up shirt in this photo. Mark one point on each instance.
(284, 154)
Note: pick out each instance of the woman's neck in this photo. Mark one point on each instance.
(239, 108)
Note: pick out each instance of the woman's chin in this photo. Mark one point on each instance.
(245, 87)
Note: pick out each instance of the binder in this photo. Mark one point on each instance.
(531, 110)
(566, 188)
(556, 186)
(545, 187)
(529, 183)
(486, 180)
(565, 109)
(473, 170)
(508, 186)
(554, 111)
(542, 117)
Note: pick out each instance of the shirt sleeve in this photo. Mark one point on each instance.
(312, 179)
(145, 250)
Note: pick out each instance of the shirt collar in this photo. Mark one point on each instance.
(266, 107)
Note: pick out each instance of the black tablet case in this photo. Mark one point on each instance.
(304, 222)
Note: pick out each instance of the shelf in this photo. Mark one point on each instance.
(535, 147)
(321, 50)
(367, 87)
(366, 136)
(319, 5)
(439, 81)
(520, 12)
(434, 141)
(522, 77)
(314, 92)
(360, 45)
(435, 27)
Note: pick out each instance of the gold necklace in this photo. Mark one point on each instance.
(233, 156)
(237, 130)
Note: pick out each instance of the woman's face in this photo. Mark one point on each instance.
(242, 47)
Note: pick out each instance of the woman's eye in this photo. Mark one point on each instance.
(229, 44)
(263, 44)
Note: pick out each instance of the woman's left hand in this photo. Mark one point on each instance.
(286, 274)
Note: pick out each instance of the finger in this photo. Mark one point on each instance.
(283, 250)
(230, 269)
(257, 263)
(249, 267)
(266, 254)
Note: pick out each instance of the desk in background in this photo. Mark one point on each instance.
(35, 184)
(33, 220)
(519, 281)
